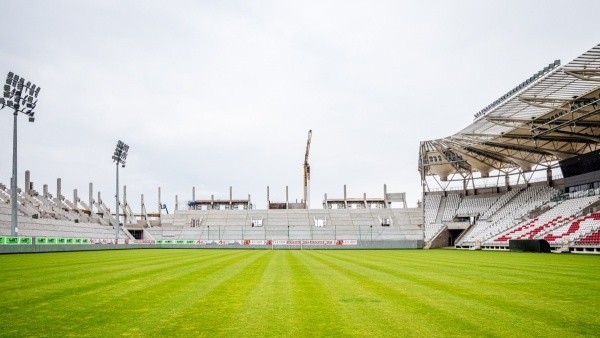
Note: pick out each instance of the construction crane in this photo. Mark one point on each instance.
(307, 172)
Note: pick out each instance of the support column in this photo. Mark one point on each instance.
(287, 200)
(142, 207)
(59, 192)
(345, 198)
(27, 182)
(268, 198)
(385, 199)
(91, 197)
(159, 208)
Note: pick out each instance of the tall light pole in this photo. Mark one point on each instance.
(119, 157)
(21, 96)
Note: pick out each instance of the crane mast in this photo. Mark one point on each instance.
(307, 172)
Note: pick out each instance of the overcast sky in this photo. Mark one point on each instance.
(218, 93)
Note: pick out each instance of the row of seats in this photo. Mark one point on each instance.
(431, 206)
(452, 202)
(475, 205)
(576, 229)
(591, 239)
(509, 215)
(431, 231)
(31, 227)
(560, 213)
(359, 224)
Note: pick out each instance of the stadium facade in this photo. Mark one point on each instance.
(525, 169)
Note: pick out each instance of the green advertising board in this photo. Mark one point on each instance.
(60, 240)
(15, 240)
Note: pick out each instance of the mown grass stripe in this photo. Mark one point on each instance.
(477, 300)
(216, 313)
(272, 299)
(413, 313)
(298, 293)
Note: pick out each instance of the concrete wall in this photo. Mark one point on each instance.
(363, 245)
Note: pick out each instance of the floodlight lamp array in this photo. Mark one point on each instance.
(120, 154)
(20, 95)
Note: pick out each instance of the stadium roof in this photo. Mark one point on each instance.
(553, 115)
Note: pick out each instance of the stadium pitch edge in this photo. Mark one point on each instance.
(360, 245)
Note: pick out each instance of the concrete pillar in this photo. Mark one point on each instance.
(365, 198)
(385, 200)
(142, 207)
(45, 190)
(159, 204)
(325, 201)
(27, 182)
(345, 198)
(287, 197)
(230, 195)
(249, 202)
(159, 208)
(176, 202)
(193, 193)
(549, 176)
(59, 192)
(91, 196)
(268, 198)
(75, 197)
(212, 201)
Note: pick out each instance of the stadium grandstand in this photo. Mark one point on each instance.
(527, 168)
(344, 222)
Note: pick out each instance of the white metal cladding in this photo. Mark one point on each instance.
(556, 116)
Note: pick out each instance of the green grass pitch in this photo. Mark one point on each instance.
(419, 293)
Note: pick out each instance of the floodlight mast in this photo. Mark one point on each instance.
(18, 95)
(119, 157)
